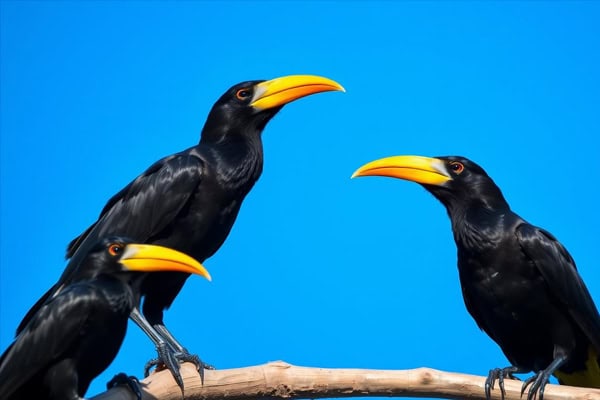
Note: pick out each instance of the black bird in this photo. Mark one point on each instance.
(518, 282)
(76, 334)
(189, 201)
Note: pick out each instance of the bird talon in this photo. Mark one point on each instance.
(489, 383)
(510, 375)
(184, 356)
(131, 381)
(499, 374)
(166, 359)
(539, 384)
(155, 362)
(526, 383)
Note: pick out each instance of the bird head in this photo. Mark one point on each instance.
(248, 106)
(455, 181)
(117, 255)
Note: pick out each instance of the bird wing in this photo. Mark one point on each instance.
(139, 211)
(149, 203)
(35, 308)
(49, 335)
(560, 273)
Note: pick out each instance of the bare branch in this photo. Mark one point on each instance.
(279, 380)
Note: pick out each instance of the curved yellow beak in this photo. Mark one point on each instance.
(425, 170)
(280, 91)
(152, 258)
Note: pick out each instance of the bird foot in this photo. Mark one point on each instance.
(538, 384)
(167, 359)
(499, 374)
(184, 356)
(131, 381)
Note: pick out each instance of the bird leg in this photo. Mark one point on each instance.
(169, 338)
(541, 379)
(500, 374)
(182, 354)
(131, 381)
(166, 354)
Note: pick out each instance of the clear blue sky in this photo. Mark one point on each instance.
(319, 270)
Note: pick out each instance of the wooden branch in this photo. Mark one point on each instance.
(279, 380)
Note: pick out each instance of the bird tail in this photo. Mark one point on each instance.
(588, 377)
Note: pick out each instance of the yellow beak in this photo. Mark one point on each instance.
(280, 91)
(152, 258)
(425, 170)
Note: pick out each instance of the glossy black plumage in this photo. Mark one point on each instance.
(74, 336)
(56, 357)
(190, 200)
(518, 282)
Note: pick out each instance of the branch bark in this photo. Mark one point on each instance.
(279, 380)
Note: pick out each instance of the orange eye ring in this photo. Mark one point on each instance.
(114, 249)
(243, 94)
(457, 167)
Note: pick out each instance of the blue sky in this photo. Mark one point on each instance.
(319, 270)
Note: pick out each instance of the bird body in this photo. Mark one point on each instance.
(75, 335)
(69, 361)
(520, 285)
(189, 201)
(509, 299)
(185, 201)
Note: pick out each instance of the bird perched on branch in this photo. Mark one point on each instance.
(518, 282)
(76, 334)
(190, 200)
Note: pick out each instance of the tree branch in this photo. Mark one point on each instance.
(279, 380)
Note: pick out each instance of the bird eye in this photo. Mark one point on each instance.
(115, 249)
(243, 94)
(457, 167)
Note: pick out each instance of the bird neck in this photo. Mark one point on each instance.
(476, 224)
(237, 157)
(118, 291)
(223, 128)
(475, 211)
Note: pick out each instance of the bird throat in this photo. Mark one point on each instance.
(240, 162)
(476, 227)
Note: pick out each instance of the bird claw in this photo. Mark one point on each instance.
(131, 381)
(499, 374)
(166, 359)
(538, 384)
(184, 356)
(153, 362)
(489, 382)
(170, 360)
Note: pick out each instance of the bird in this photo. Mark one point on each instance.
(519, 283)
(189, 200)
(75, 335)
